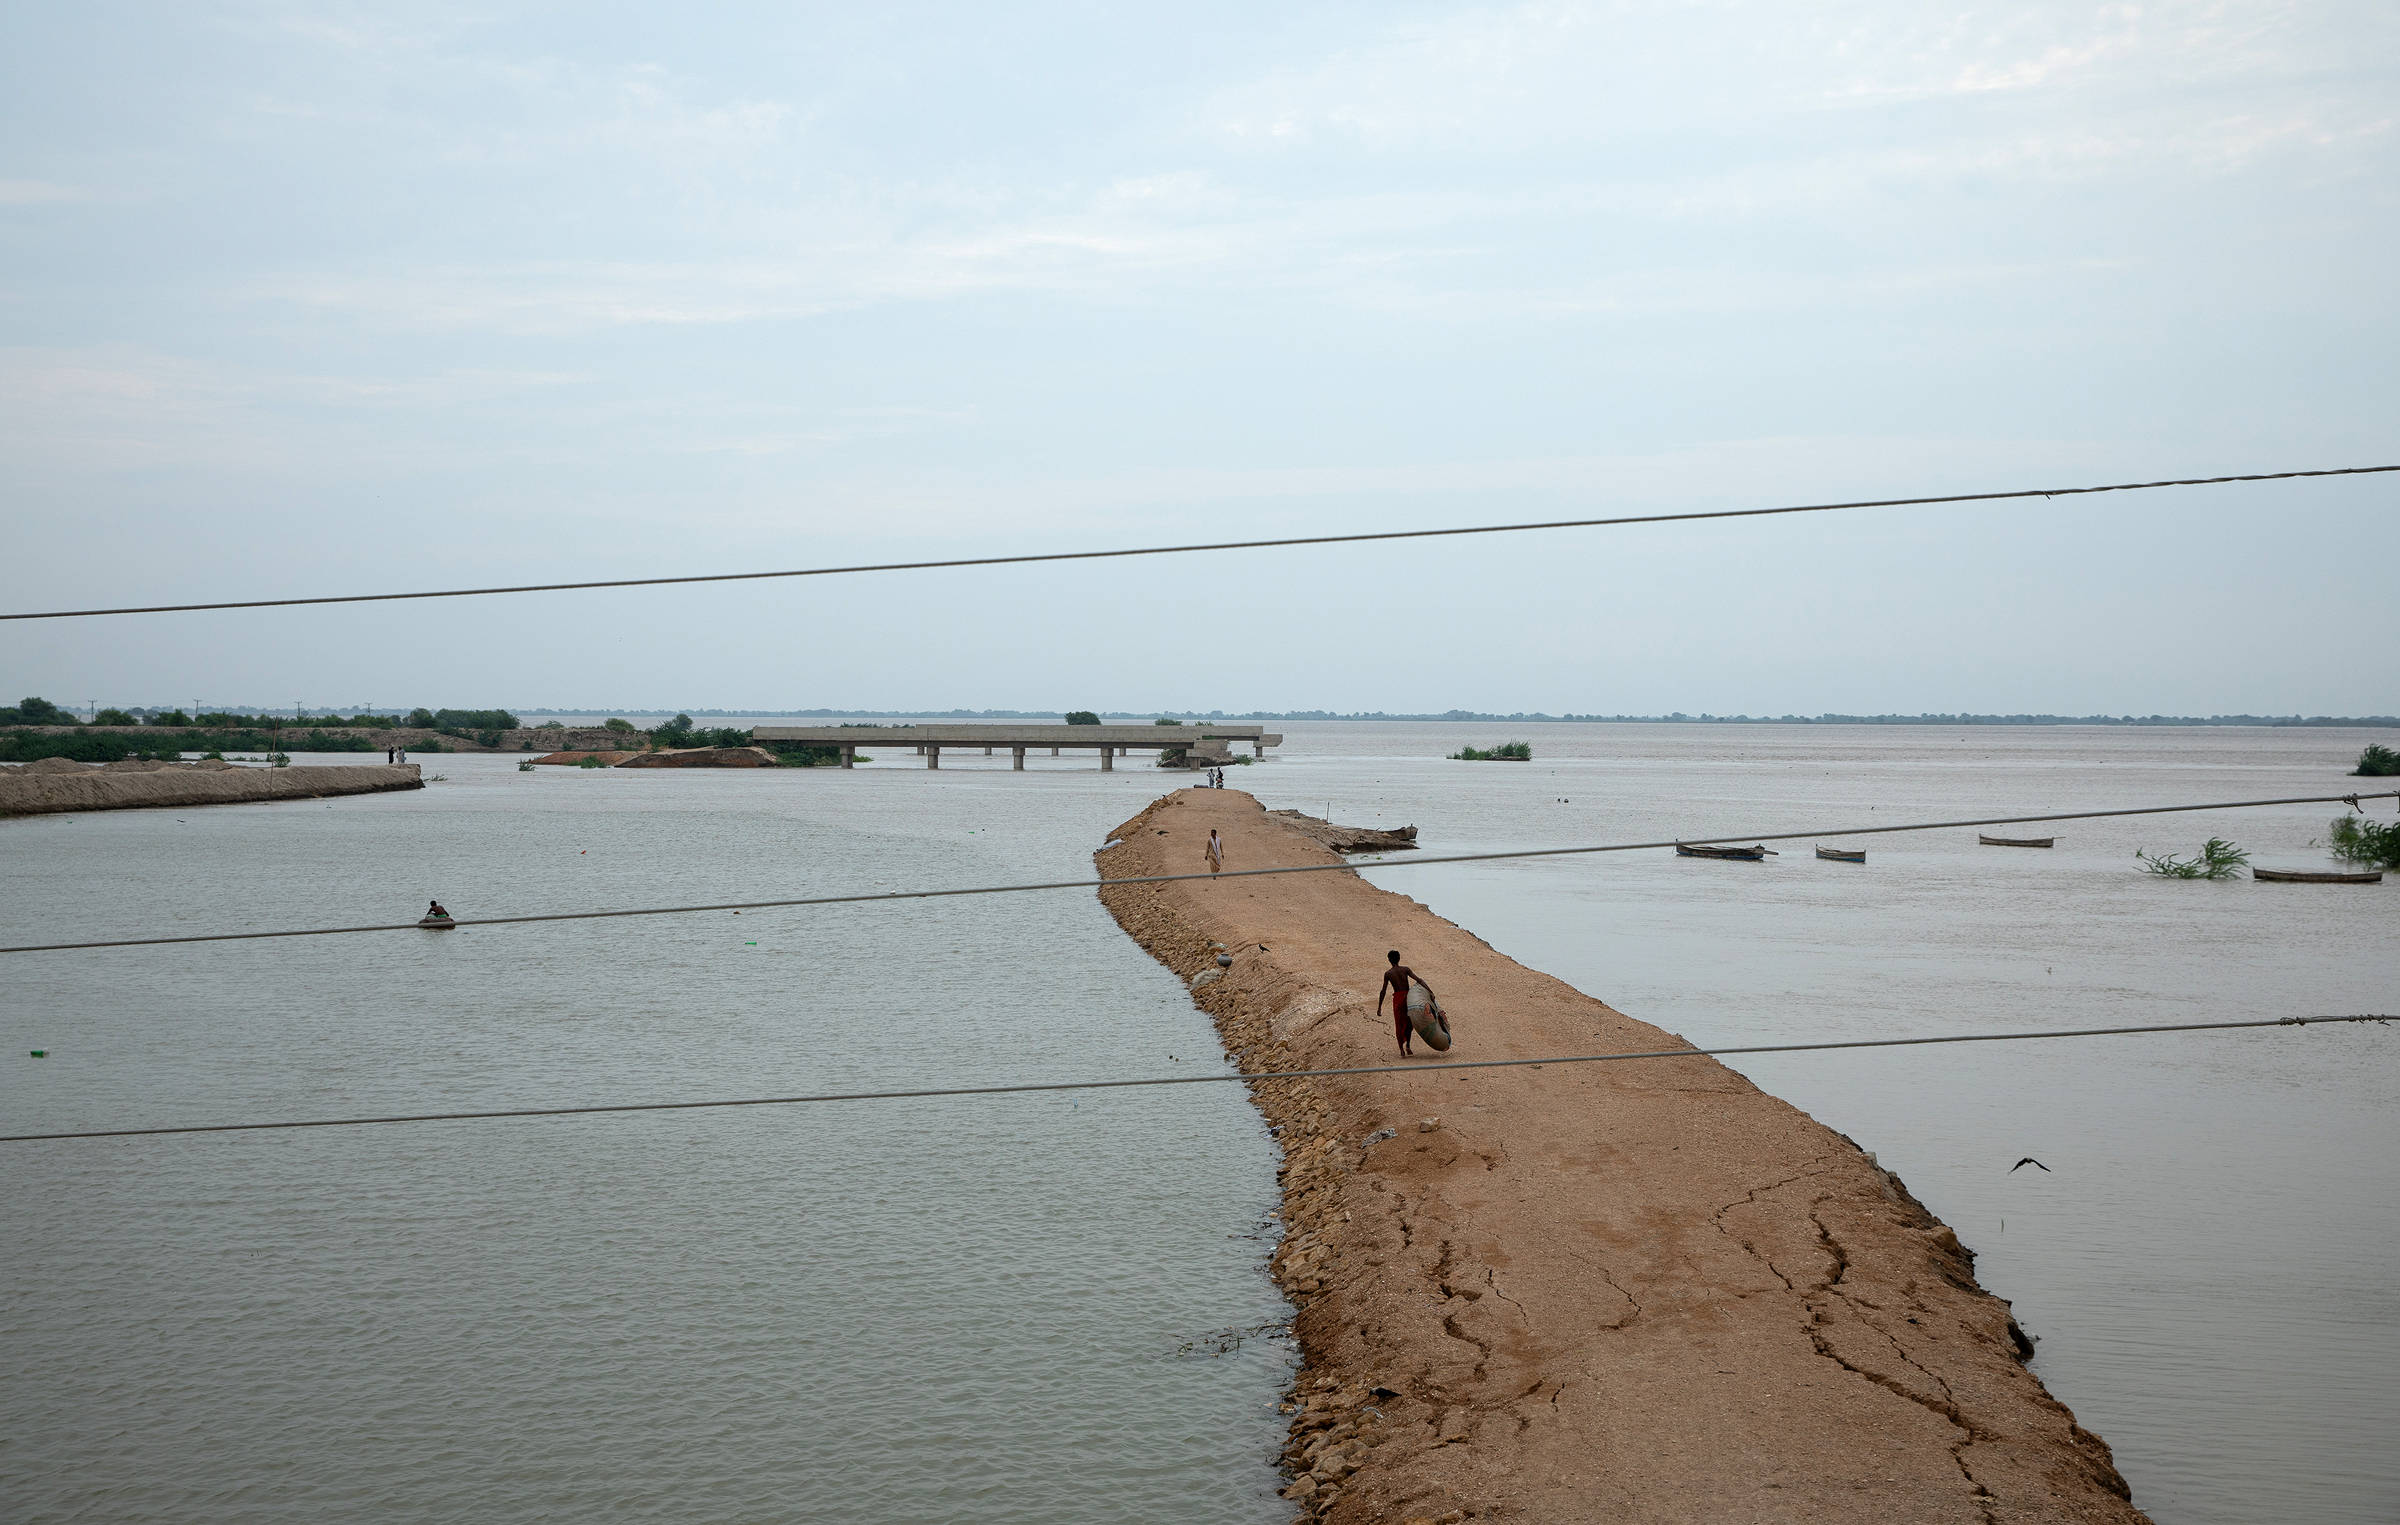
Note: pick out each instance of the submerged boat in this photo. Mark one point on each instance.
(2016, 841)
(1743, 854)
(2291, 876)
(1842, 854)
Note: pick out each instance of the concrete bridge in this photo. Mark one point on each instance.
(1202, 745)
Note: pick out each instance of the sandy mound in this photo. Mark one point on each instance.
(40, 789)
(1638, 1291)
(704, 757)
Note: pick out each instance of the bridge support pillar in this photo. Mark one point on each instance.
(1054, 751)
(849, 757)
(987, 751)
(1108, 759)
(933, 757)
(1019, 761)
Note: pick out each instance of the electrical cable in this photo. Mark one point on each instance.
(1216, 545)
(1240, 873)
(1174, 1080)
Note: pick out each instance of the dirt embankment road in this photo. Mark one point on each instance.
(53, 786)
(1643, 1291)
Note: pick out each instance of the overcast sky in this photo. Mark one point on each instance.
(321, 299)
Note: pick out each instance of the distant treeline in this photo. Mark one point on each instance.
(1537, 716)
(86, 745)
(167, 733)
(39, 711)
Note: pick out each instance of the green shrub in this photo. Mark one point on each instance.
(802, 754)
(1507, 751)
(474, 720)
(1082, 717)
(35, 711)
(2218, 859)
(621, 727)
(1166, 722)
(114, 717)
(591, 762)
(32, 746)
(2372, 844)
(2377, 761)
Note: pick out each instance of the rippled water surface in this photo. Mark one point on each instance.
(934, 1310)
(2209, 1260)
(1001, 1310)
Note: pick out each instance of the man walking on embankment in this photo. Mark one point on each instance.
(1397, 979)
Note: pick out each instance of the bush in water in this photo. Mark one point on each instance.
(2218, 859)
(2355, 839)
(2377, 761)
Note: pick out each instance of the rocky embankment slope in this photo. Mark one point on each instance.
(55, 784)
(1641, 1291)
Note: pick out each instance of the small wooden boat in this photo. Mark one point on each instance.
(1741, 854)
(1842, 854)
(437, 923)
(2016, 841)
(2289, 876)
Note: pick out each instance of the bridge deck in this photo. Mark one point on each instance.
(1205, 743)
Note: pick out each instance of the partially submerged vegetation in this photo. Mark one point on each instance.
(2217, 859)
(2377, 761)
(2371, 844)
(1507, 751)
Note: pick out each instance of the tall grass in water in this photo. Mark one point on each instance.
(2377, 761)
(2355, 839)
(2217, 859)
(1507, 751)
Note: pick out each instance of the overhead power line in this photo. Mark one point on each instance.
(1238, 873)
(1214, 545)
(1170, 1080)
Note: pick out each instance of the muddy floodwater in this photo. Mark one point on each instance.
(1054, 1308)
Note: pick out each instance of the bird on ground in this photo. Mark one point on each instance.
(2029, 1160)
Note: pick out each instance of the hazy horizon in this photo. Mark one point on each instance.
(2215, 719)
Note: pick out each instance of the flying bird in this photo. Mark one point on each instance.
(2029, 1160)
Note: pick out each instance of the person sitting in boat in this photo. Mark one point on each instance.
(434, 912)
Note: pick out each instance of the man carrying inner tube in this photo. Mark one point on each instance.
(1396, 980)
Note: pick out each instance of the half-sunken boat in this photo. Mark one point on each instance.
(1842, 854)
(2016, 841)
(2292, 876)
(1739, 854)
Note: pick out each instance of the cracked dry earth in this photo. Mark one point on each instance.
(1644, 1291)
